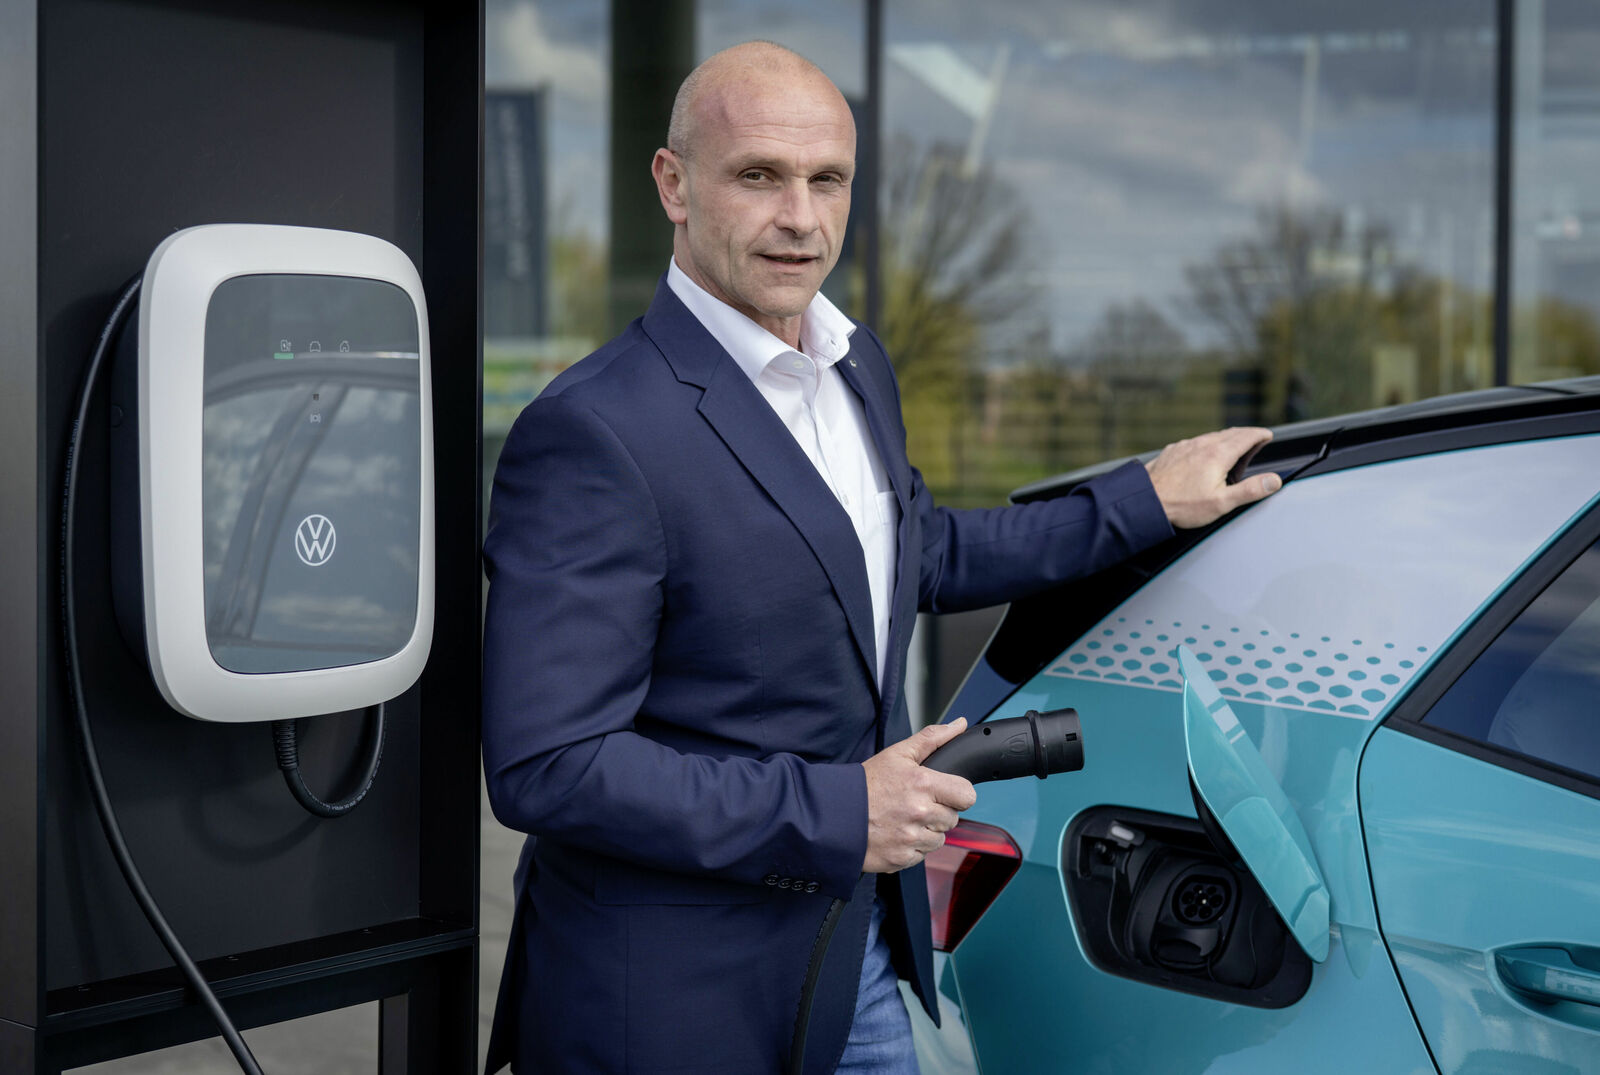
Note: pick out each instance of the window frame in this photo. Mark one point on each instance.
(1465, 650)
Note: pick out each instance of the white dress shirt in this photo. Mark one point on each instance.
(825, 417)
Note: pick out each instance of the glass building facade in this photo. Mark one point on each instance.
(1087, 229)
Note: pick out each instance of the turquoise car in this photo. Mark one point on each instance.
(1340, 806)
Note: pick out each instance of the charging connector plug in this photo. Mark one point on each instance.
(1034, 744)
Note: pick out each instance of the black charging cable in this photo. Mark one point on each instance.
(1034, 744)
(285, 740)
(91, 760)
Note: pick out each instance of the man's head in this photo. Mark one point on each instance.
(756, 181)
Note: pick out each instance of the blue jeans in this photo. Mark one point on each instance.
(880, 1036)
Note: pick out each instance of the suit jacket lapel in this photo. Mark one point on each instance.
(766, 448)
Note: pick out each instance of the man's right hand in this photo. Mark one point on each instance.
(909, 807)
(1191, 476)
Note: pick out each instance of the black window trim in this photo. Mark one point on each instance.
(1350, 448)
(1512, 602)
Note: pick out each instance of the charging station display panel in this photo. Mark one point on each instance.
(311, 453)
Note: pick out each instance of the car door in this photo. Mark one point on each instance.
(1313, 613)
(1480, 800)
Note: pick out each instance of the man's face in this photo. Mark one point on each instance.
(762, 199)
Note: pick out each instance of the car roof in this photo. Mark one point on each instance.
(1459, 420)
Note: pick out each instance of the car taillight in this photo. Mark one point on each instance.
(964, 877)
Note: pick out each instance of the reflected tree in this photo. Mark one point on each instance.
(1305, 300)
(1556, 338)
(1312, 313)
(578, 283)
(957, 296)
(1136, 356)
(1135, 337)
(952, 256)
(1335, 320)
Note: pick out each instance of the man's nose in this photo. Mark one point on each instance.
(797, 211)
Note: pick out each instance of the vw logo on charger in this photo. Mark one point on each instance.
(314, 539)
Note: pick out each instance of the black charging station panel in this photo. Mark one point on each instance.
(126, 120)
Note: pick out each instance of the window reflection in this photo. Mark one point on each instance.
(546, 168)
(1555, 286)
(312, 456)
(1101, 225)
(1140, 220)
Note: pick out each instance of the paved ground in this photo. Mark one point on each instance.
(345, 1042)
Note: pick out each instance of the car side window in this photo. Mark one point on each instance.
(1536, 689)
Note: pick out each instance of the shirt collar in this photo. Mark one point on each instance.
(824, 329)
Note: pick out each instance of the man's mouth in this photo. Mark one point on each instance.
(789, 259)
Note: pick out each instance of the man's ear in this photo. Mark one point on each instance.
(672, 184)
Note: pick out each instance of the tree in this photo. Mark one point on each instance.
(956, 294)
(1306, 300)
(1135, 355)
(1556, 339)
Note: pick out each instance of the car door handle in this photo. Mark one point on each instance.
(1552, 973)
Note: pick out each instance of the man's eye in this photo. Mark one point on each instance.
(753, 176)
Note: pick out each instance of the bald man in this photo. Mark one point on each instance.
(706, 552)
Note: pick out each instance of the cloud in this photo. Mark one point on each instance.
(522, 53)
(829, 33)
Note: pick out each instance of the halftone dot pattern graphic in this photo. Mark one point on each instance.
(1356, 677)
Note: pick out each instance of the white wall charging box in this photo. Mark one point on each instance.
(285, 471)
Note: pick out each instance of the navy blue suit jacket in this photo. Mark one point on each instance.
(678, 692)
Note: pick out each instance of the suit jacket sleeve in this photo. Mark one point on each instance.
(576, 556)
(988, 556)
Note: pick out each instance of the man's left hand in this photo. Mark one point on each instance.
(1191, 476)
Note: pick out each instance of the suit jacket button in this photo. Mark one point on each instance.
(771, 879)
(812, 886)
(784, 882)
